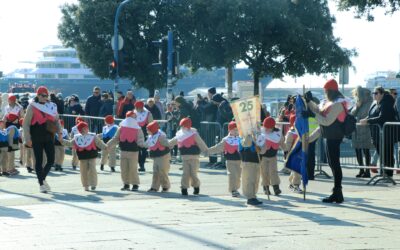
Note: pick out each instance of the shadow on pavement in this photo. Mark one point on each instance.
(177, 233)
(14, 213)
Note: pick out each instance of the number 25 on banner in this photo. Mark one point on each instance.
(246, 106)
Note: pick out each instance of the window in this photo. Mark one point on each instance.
(63, 76)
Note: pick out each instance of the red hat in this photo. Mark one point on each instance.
(62, 122)
(232, 125)
(12, 98)
(79, 119)
(292, 119)
(186, 122)
(331, 85)
(269, 122)
(129, 114)
(11, 117)
(82, 125)
(109, 119)
(42, 90)
(153, 127)
(139, 104)
(21, 121)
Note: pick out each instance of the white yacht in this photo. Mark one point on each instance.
(386, 79)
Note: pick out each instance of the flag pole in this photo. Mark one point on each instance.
(305, 140)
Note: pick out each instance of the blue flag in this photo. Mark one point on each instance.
(297, 157)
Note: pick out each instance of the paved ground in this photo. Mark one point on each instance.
(70, 218)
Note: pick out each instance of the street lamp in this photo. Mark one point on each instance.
(116, 48)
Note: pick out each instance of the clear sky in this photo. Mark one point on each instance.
(28, 25)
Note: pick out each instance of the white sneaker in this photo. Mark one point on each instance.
(46, 185)
(43, 189)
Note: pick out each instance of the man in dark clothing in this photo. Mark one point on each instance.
(128, 104)
(154, 110)
(93, 103)
(106, 105)
(58, 102)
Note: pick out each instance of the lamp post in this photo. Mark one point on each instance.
(116, 48)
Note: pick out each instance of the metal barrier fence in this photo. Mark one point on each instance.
(384, 139)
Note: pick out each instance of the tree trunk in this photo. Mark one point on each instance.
(151, 91)
(229, 79)
(256, 76)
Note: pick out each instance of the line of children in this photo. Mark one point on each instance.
(106, 135)
(229, 146)
(86, 145)
(130, 138)
(190, 146)
(59, 148)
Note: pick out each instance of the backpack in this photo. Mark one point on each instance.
(225, 110)
(349, 123)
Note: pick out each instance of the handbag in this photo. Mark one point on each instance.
(51, 126)
(349, 124)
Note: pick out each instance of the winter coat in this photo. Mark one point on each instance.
(93, 104)
(125, 106)
(381, 112)
(361, 138)
(106, 108)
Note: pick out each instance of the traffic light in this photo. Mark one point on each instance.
(161, 56)
(113, 69)
(175, 64)
(123, 63)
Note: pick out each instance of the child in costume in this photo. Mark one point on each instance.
(229, 145)
(108, 132)
(190, 145)
(59, 148)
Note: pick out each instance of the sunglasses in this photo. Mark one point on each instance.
(96, 93)
(44, 96)
(394, 94)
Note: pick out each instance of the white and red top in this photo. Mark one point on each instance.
(85, 142)
(142, 117)
(186, 138)
(43, 112)
(270, 140)
(129, 130)
(231, 145)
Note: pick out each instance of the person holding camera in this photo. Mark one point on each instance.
(41, 123)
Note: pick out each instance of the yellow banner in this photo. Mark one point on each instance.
(247, 114)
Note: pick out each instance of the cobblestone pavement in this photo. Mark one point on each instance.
(70, 218)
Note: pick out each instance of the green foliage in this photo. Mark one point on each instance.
(364, 7)
(273, 37)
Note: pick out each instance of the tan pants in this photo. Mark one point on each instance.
(189, 175)
(22, 153)
(295, 178)
(161, 167)
(111, 157)
(88, 172)
(250, 179)
(234, 174)
(29, 157)
(269, 171)
(11, 160)
(4, 159)
(59, 155)
(129, 168)
(75, 160)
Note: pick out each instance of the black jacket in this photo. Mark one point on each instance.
(155, 112)
(382, 112)
(106, 108)
(93, 104)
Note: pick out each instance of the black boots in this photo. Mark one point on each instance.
(102, 167)
(135, 188)
(184, 191)
(196, 191)
(254, 202)
(112, 169)
(364, 173)
(125, 187)
(336, 196)
(360, 173)
(277, 191)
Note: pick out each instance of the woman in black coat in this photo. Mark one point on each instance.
(381, 111)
